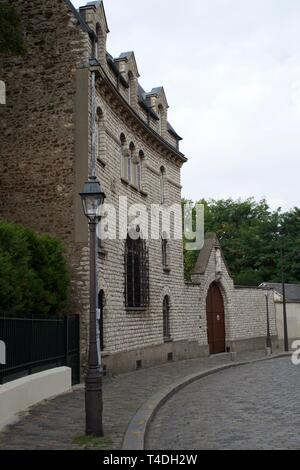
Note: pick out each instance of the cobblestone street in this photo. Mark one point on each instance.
(255, 406)
(54, 424)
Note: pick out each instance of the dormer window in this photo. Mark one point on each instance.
(161, 118)
(98, 39)
(131, 89)
(100, 45)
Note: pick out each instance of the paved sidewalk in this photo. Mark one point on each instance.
(55, 423)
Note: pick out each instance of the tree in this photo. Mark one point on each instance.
(11, 37)
(250, 235)
(34, 276)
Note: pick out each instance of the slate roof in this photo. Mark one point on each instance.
(111, 62)
(211, 241)
(292, 291)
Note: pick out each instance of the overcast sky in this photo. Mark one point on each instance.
(231, 72)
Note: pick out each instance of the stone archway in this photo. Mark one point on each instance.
(215, 320)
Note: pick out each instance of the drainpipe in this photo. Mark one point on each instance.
(94, 174)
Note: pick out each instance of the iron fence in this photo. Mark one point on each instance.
(37, 344)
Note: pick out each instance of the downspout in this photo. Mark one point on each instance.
(94, 175)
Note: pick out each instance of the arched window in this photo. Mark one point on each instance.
(100, 136)
(162, 184)
(100, 44)
(131, 175)
(136, 273)
(165, 251)
(139, 170)
(166, 318)
(97, 41)
(124, 157)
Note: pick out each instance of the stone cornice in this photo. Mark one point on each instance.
(131, 117)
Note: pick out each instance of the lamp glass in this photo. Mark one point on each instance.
(91, 205)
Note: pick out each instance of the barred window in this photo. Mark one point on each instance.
(136, 273)
(164, 248)
(166, 317)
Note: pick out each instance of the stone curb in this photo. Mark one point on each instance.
(135, 435)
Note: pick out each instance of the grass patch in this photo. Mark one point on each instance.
(93, 443)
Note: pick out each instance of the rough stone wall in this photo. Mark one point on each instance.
(37, 126)
(245, 308)
(251, 314)
(124, 330)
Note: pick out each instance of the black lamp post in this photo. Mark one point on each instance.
(92, 200)
(285, 324)
(269, 338)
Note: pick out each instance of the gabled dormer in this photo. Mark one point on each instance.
(157, 101)
(94, 16)
(127, 67)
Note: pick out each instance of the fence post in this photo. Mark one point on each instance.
(66, 324)
(30, 346)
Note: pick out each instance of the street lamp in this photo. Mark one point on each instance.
(285, 324)
(92, 199)
(269, 338)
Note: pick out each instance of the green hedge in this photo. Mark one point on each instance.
(34, 277)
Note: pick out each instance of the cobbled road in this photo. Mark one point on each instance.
(255, 406)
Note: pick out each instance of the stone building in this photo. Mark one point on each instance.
(149, 313)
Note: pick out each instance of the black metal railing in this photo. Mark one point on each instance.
(37, 344)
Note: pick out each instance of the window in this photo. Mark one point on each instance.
(166, 318)
(162, 184)
(165, 254)
(131, 165)
(137, 277)
(139, 170)
(131, 88)
(97, 40)
(161, 117)
(124, 157)
(139, 175)
(100, 137)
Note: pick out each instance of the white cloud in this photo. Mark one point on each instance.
(231, 71)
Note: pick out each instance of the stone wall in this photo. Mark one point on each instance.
(245, 309)
(37, 128)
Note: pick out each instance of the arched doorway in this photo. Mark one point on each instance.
(215, 320)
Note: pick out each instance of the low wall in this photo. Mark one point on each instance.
(249, 319)
(151, 356)
(293, 318)
(21, 394)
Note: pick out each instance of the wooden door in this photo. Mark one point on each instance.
(215, 320)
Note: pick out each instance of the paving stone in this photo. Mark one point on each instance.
(255, 406)
(55, 423)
